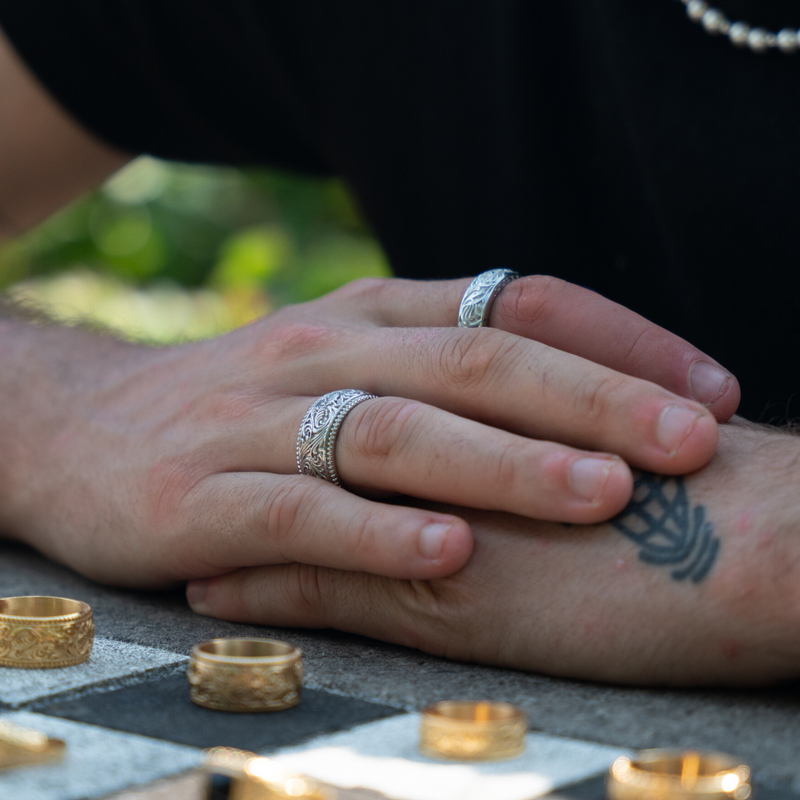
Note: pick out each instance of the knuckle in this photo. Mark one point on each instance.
(532, 299)
(469, 359)
(289, 341)
(364, 289)
(286, 505)
(503, 469)
(306, 590)
(599, 398)
(384, 425)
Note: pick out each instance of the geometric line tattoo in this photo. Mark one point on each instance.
(669, 532)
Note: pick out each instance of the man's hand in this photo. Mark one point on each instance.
(146, 466)
(695, 583)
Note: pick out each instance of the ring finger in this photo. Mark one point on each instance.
(390, 445)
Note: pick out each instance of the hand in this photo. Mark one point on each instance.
(617, 602)
(146, 466)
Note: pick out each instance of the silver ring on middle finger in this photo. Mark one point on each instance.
(316, 439)
(476, 304)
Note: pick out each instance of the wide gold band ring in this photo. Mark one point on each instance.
(44, 632)
(23, 747)
(674, 775)
(472, 731)
(245, 675)
(239, 775)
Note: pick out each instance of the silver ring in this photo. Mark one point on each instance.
(318, 431)
(476, 304)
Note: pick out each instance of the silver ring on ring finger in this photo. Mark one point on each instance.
(476, 304)
(316, 440)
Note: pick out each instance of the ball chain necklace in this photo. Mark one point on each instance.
(759, 40)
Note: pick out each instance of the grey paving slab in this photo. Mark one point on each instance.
(111, 664)
(162, 709)
(383, 756)
(96, 763)
(760, 726)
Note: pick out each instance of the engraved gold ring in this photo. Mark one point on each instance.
(245, 675)
(239, 775)
(38, 632)
(675, 775)
(472, 731)
(23, 747)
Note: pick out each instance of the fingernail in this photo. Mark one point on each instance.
(431, 539)
(588, 477)
(674, 425)
(196, 596)
(707, 382)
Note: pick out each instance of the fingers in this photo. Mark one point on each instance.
(568, 318)
(298, 595)
(528, 388)
(242, 519)
(579, 321)
(390, 445)
(406, 447)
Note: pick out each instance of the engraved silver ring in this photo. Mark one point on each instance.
(316, 440)
(476, 304)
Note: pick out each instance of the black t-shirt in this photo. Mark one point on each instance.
(610, 142)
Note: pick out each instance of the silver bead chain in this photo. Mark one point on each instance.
(759, 40)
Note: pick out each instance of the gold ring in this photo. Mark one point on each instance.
(472, 731)
(239, 775)
(674, 775)
(245, 674)
(38, 632)
(22, 747)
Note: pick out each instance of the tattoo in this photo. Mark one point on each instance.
(661, 521)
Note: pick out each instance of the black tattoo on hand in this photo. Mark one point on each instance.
(661, 521)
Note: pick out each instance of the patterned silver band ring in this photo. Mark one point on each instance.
(476, 304)
(316, 439)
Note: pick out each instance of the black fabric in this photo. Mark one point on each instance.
(610, 142)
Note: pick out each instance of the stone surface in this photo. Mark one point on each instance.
(96, 762)
(111, 664)
(384, 757)
(760, 726)
(162, 709)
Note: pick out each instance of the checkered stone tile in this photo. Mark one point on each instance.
(383, 756)
(112, 664)
(97, 762)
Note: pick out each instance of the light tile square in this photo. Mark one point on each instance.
(97, 761)
(383, 756)
(111, 662)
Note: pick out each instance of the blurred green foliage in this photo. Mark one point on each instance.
(234, 243)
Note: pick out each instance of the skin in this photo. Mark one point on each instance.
(586, 602)
(145, 467)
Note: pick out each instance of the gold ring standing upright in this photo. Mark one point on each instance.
(675, 775)
(39, 632)
(472, 731)
(248, 675)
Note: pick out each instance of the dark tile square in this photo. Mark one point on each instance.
(162, 710)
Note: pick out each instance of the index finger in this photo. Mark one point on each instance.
(574, 320)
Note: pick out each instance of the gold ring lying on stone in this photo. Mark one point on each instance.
(239, 775)
(245, 675)
(38, 632)
(23, 747)
(675, 775)
(472, 731)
